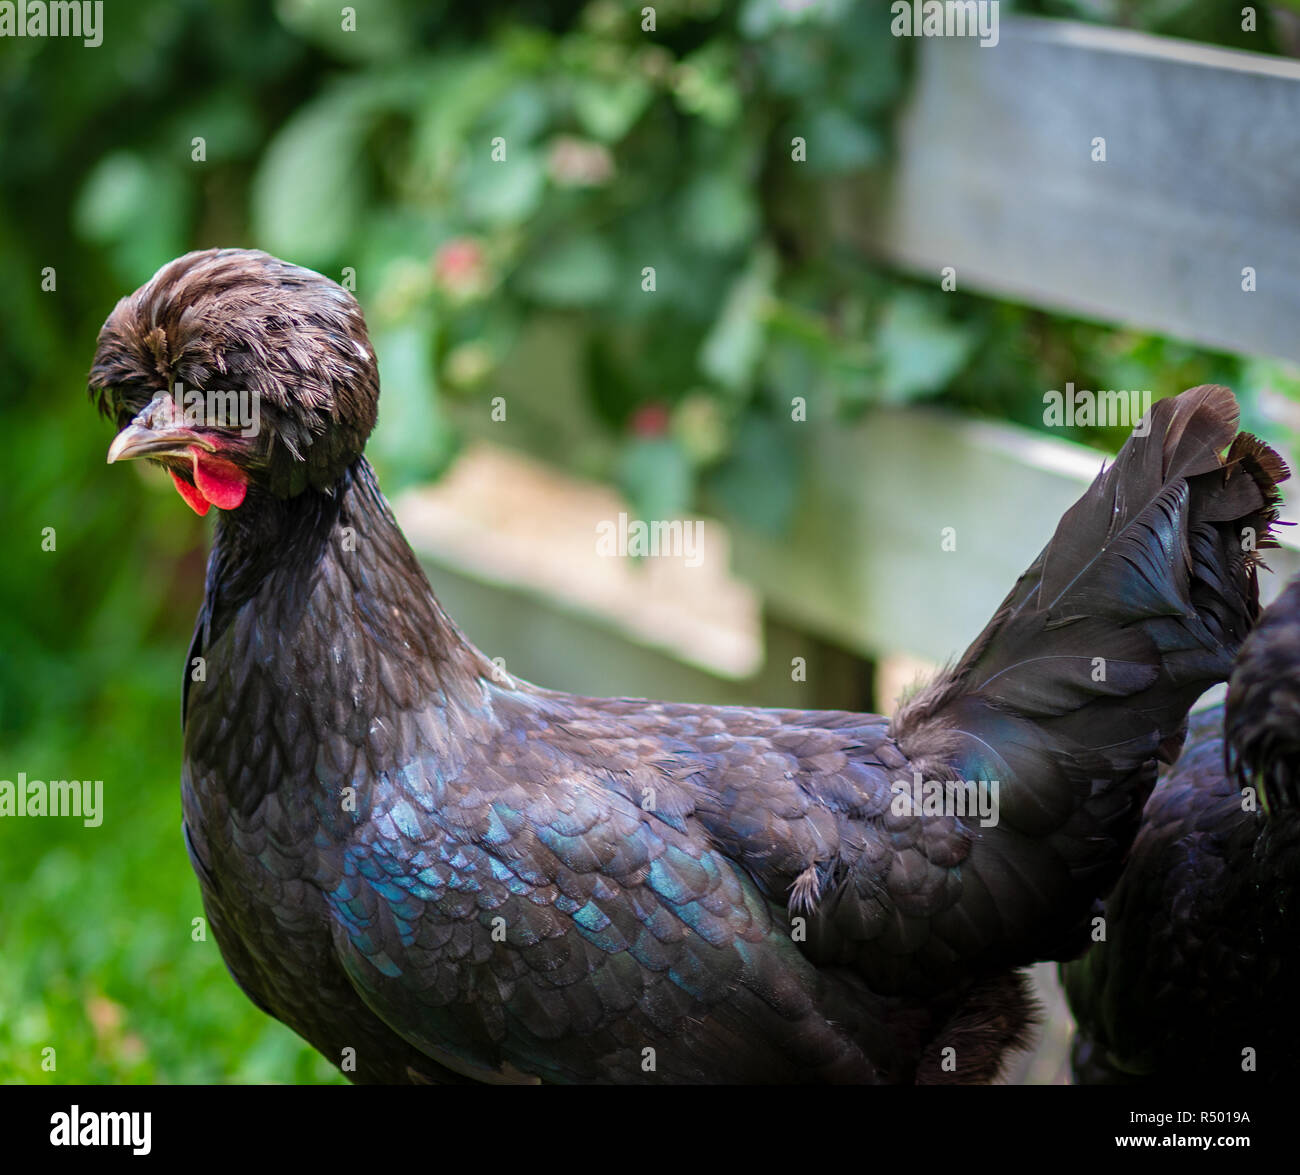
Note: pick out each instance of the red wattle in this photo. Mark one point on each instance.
(220, 482)
(193, 499)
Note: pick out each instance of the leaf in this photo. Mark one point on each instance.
(758, 483)
(579, 271)
(228, 122)
(839, 143)
(519, 115)
(733, 347)
(763, 18)
(112, 197)
(412, 441)
(307, 194)
(381, 31)
(607, 110)
(505, 192)
(457, 91)
(136, 209)
(919, 349)
(656, 475)
(705, 84)
(719, 211)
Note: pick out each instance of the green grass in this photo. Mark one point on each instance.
(100, 959)
(97, 956)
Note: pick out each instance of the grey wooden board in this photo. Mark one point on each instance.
(994, 176)
(542, 641)
(864, 561)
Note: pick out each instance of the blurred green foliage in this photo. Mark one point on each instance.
(370, 153)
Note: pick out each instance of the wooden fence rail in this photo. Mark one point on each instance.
(997, 177)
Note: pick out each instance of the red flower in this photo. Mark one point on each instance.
(650, 420)
(460, 267)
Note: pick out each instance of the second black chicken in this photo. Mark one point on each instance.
(1195, 978)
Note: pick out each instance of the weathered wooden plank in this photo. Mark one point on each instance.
(508, 519)
(865, 561)
(542, 639)
(995, 177)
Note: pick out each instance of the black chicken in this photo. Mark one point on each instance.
(1195, 980)
(433, 874)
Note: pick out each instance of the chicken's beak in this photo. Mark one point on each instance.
(208, 479)
(138, 441)
(152, 434)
